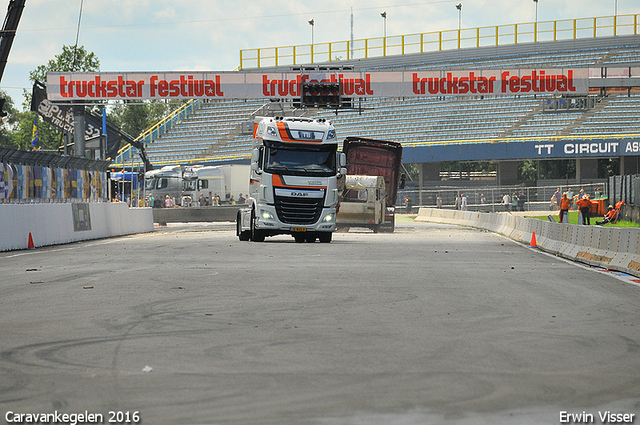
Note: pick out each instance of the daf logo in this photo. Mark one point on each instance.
(299, 194)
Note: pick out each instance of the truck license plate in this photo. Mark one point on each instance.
(298, 229)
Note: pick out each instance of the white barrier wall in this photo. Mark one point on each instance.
(612, 248)
(51, 224)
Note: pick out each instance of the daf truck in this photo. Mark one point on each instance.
(293, 187)
(370, 157)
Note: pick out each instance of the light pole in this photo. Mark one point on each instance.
(384, 16)
(313, 24)
(615, 8)
(459, 7)
(535, 26)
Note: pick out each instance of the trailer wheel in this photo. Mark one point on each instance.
(243, 236)
(256, 235)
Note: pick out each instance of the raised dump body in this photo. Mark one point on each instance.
(376, 158)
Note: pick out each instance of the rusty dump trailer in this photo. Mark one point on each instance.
(372, 157)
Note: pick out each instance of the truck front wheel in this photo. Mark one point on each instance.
(242, 235)
(325, 237)
(256, 235)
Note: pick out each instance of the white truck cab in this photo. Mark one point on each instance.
(293, 184)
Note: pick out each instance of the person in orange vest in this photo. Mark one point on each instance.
(565, 204)
(609, 217)
(585, 209)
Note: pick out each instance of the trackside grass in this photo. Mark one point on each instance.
(573, 219)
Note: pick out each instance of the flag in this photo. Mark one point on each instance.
(34, 133)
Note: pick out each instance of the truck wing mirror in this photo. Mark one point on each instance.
(343, 159)
(255, 160)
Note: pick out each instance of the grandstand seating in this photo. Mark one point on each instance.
(214, 132)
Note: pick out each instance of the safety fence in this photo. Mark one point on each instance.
(607, 247)
(40, 177)
(490, 198)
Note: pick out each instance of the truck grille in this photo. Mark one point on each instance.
(293, 210)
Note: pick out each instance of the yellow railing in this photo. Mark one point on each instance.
(565, 29)
(158, 129)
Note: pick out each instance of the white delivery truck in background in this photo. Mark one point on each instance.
(223, 180)
(200, 180)
(295, 169)
(164, 181)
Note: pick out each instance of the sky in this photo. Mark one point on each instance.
(207, 35)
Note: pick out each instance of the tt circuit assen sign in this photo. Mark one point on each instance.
(522, 149)
(253, 85)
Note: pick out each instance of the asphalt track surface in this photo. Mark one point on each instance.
(434, 324)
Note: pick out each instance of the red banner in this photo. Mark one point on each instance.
(253, 85)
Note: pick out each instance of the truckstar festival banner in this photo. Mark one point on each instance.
(253, 85)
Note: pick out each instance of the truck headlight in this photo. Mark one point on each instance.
(331, 134)
(328, 218)
(271, 131)
(266, 215)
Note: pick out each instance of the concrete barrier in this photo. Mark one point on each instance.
(58, 223)
(196, 214)
(608, 247)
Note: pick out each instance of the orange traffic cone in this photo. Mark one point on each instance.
(31, 244)
(533, 241)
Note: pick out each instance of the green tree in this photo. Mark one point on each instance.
(135, 118)
(8, 123)
(70, 60)
(49, 136)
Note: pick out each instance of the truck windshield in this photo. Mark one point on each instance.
(150, 183)
(189, 185)
(280, 159)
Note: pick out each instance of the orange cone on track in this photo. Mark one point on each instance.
(31, 244)
(533, 241)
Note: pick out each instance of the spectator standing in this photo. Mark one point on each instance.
(570, 196)
(438, 202)
(456, 202)
(202, 201)
(463, 202)
(506, 200)
(241, 199)
(597, 193)
(522, 199)
(168, 202)
(407, 203)
(585, 209)
(565, 204)
(184, 201)
(558, 196)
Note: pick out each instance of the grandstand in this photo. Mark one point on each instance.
(221, 130)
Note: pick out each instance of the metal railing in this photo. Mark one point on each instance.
(489, 198)
(528, 32)
(158, 129)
